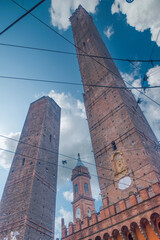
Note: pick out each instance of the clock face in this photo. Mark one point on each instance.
(78, 213)
(124, 183)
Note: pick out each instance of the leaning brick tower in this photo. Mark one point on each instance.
(125, 148)
(124, 145)
(27, 208)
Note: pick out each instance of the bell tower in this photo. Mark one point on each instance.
(83, 203)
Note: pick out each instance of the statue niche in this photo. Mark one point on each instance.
(119, 165)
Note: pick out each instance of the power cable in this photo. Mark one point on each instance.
(72, 83)
(75, 54)
(63, 155)
(41, 160)
(145, 76)
(70, 42)
(97, 176)
(91, 57)
(25, 14)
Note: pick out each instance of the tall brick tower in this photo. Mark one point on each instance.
(83, 203)
(123, 143)
(126, 150)
(28, 203)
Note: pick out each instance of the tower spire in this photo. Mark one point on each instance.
(79, 162)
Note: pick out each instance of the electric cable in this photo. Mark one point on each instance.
(143, 80)
(41, 160)
(25, 14)
(97, 176)
(70, 42)
(73, 83)
(75, 54)
(64, 155)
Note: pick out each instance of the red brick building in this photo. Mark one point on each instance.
(83, 203)
(126, 150)
(27, 210)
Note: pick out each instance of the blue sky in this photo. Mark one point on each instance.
(128, 30)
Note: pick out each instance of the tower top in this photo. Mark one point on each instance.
(80, 11)
(79, 162)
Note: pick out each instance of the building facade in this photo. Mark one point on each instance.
(125, 148)
(83, 203)
(27, 210)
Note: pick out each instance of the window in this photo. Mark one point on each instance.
(89, 212)
(114, 145)
(50, 138)
(86, 187)
(130, 237)
(23, 161)
(76, 188)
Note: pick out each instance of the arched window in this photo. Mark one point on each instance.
(86, 187)
(98, 238)
(76, 188)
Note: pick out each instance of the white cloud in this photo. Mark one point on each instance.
(109, 31)
(68, 217)
(149, 108)
(74, 139)
(141, 14)
(152, 110)
(6, 158)
(68, 195)
(61, 10)
(74, 133)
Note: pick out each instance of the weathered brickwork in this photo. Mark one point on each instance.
(134, 218)
(28, 202)
(125, 148)
(116, 123)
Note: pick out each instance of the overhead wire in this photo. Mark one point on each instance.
(41, 160)
(25, 14)
(97, 176)
(145, 72)
(72, 83)
(109, 169)
(80, 49)
(70, 42)
(75, 54)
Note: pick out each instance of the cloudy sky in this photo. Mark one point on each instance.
(128, 30)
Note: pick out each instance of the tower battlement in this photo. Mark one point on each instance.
(124, 213)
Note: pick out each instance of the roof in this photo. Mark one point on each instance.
(79, 162)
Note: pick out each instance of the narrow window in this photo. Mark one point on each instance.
(50, 138)
(76, 188)
(23, 161)
(114, 145)
(86, 187)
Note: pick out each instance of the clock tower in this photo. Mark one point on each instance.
(83, 203)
